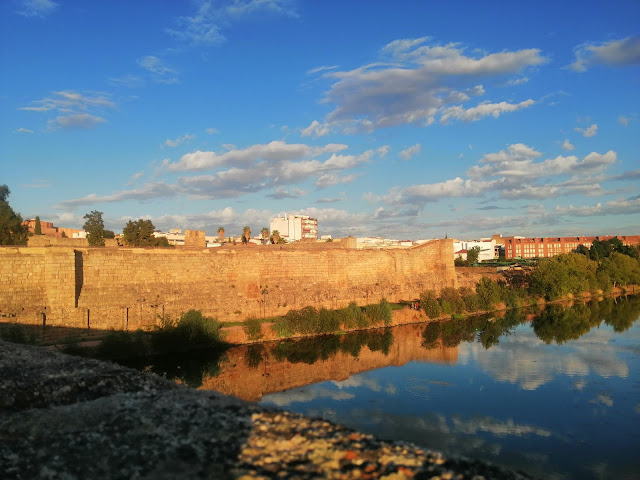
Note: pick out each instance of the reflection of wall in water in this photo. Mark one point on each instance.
(236, 378)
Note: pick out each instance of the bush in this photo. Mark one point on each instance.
(429, 304)
(283, 328)
(451, 301)
(252, 328)
(328, 321)
(17, 333)
(379, 313)
(122, 344)
(488, 293)
(192, 331)
(568, 273)
(354, 317)
(470, 299)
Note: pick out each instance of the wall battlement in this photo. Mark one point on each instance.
(128, 288)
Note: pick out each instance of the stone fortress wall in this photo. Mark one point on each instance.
(129, 288)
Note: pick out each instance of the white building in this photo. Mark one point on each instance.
(295, 227)
(487, 248)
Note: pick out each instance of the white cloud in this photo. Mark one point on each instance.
(414, 83)
(68, 101)
(273, 151)
(613, 207)
(316, 129)
(321, 69)
(23, 130)
(36, 8)
(614, 53)
(483, 110)
(146, 192)
(410, 152)
(160, 72)
(73, 109)
(204, 27)
(589, 131)
(625, 120)
(567, 145)
(181, 139)
(74, 121)
(129, 81)
(282, 192)
(211, 131)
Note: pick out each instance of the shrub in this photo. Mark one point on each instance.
(17, 333)
(122, 344)
(430, 304)
(470, 299)
(328, 321)
(488, 293)
(192, 331)
(354, 317)
(253, 328)
(379, 313)
(304, 321)
(282, 327)
(451, 301)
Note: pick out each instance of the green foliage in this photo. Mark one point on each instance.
(472, 255)
(16, 333)
(253, 328)
(246, 235)
(328, 320)
(429, 303)
(264, 234)
(37, 230)
(282, 328)
(488, 293)
(140, 234)
(109, 234)
(569, 273)
(11, 230)
(123, 344)
(470, 299)
(620, 269)
(64, 234)
(451, 301)
(191, 331)
(379, 313)
(94, 226)
(459, 261)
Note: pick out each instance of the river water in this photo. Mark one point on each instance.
(554, 393)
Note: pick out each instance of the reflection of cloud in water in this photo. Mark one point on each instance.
(496, 427)
(604, 399)
(526, 360)
(304, 394)
(358, 381)
(579, 384)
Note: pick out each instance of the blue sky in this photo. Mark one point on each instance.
(406, 119)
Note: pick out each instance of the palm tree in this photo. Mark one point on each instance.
(264, 233)
(220, 234)
(246, 235)
(275, 236)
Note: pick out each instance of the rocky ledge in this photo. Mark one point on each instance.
(68, 417)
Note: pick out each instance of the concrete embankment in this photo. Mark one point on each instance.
(70, 417)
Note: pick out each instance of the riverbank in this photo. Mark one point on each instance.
(55, 409)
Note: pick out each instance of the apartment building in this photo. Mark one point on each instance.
(295, 227)
(544, 247)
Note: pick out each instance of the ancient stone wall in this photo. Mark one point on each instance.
(195, 239)
(49, 241)
(134, 287)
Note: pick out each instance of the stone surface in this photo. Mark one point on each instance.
(78, 418)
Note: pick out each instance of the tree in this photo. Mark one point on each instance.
(621, 269)
(109, 234)
(140, 234)
(472, 255)
(94, 226)
(264, 233)
(275, 236)
(246, 235)
(221, 234)
(11, 230)
(64, 234)
(38, 228)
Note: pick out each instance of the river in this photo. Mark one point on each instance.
(554, 392)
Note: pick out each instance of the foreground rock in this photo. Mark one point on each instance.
(68, 417)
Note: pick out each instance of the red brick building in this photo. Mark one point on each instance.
(521, 247)
(47, 228)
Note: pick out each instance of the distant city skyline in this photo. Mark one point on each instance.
(403, 119)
